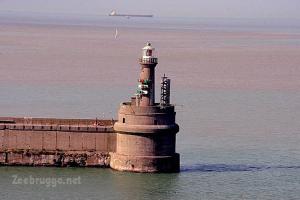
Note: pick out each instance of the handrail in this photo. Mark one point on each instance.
(65, 127)
(148, 60)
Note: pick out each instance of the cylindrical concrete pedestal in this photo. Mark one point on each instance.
(146, 140)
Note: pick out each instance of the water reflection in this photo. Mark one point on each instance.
(139, 186)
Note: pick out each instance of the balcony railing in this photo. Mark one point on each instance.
(148, 60)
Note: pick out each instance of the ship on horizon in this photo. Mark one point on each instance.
(115, 14)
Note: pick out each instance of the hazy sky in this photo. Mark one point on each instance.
(189, 8)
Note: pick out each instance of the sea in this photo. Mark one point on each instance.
(235, 84)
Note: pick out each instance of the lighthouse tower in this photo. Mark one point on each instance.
(146, 131)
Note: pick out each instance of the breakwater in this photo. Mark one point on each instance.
(56, 142)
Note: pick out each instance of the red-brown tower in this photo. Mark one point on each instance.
(146, 131)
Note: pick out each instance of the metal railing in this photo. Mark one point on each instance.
(148, 60)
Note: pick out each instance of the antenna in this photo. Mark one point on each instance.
(165, 91)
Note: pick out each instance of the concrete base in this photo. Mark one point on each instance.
(145, 163)
(54, 158)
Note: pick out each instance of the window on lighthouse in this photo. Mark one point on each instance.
(149, 52)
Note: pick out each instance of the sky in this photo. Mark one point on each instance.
(277, 9)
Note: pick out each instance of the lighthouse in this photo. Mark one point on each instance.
(146, 130)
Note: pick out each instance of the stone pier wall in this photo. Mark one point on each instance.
(56, 142)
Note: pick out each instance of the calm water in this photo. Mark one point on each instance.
(237, 97)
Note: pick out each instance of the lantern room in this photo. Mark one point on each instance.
(148, 51)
